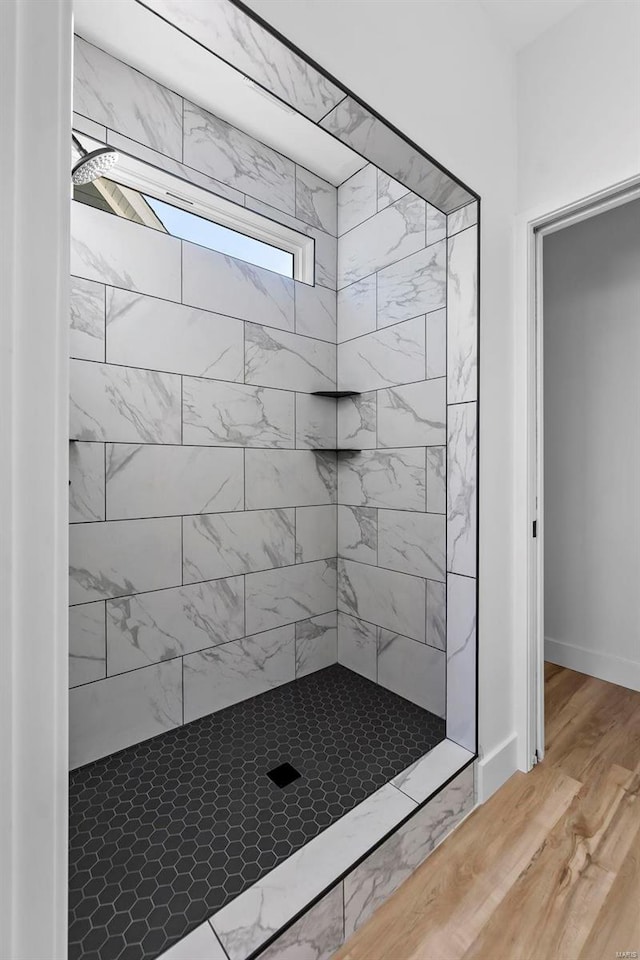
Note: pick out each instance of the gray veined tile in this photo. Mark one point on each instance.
(357, 309)
(357, 421)
(461, 661)
(383, 478)
(114, 94)
(165, 624)
(316, 643)
(412, 670)
(460, 219)
(414, 285)
(357, 200)
(437, 479)
(87, 643)
(286, 360)
(316, 529)
(123, 404)
(393, 234)
(384, 358)
(223, 675)
(412, 415)
(436, 225)
(426, 775)
(276, 597)
(86, 482)
(200, 944)
(282, 478)
(358, 645)
(358, 533)
(86, 328)
(222, 544)
(461, 489)
(146, 332)
(412, 543)
(232, 156)
(389, 599)
(462, 317)
(389, 190)
(317, 935)
(236, 415)
(437, 344)
(436, 615)
(315, 422)
(316, 201)
(315, 312)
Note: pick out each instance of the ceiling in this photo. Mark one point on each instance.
(521, 21)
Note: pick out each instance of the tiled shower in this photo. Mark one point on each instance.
(263, 576)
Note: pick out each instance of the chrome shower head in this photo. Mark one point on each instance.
(93, 165)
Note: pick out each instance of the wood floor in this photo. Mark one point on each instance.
(549, 867)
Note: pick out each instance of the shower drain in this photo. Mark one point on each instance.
(283, 775)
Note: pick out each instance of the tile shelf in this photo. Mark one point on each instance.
(336, 394)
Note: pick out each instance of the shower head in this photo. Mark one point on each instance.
(92, 165)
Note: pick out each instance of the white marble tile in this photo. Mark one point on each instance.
(316, 201)
(357, 422)
(276, 597)
(437, 479)
(122, 557)
(436, 614)
(283, 478)
(412, 670)
(413, 286)
(225, 285)
(385, 358)
(315, 312)
(393, 234)
(462, 317)
(86, 326)
(200, 944)
(316, 643)
(236, 414)
(460, 219)
(383, 478)
(232, 156)
(461, 661)
(117, 712)
(316, 530)
(87, 643)
(147, 332)
(392, 600)
(358, 533)
(113, 250)
(86, 481)
(462, 508)
(315, 936)
(222, 544)
(427, 774)
(276, 358)
(357, 309)
(260, 911)
(315, 422)
(412, 543)
(357, 199)
(414, 414)
(389, 190)
(436, 225)
(374, 880)
(358, 645)
(165, 624)
(114, 94)
(220, 676)
(436, 344)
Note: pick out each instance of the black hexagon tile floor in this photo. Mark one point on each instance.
(163, 834)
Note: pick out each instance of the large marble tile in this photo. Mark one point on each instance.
(245, 923)
(436, 614)
(276, 358)
(357, 199)
(375, 879)
(221, 544)
(86, 481)
(462, 508)
(165, 624)
(412, 670)
(383, 478)
(289, 478)
(436, 344)
(357, 422)
(122, 557)
(147, 332)
(152, 480)
(357, 309)
(461, 661)
(413, 415)
(462, 317)
(460, 219)
(232, 156)
(87, 643)
(385, 358)
(117, 712)
(426, 775)
(315, 936)
(315, 422)
(315, 312)
(223, 675)
(358, 645)
(114, 94)
(113, 250)
(316, 201)
(437, 479)
(389, 190)
(316, 643)
(200, 944)
(358, 533)
(396, 232)
(412, 286)
(392, 600)
(225, 285)
(236, 414)
(436, 225)
(412, 543)
(276, 597)
(86, 324)
(316, 530)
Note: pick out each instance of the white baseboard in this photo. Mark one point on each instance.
(626, 673)
(496, 767)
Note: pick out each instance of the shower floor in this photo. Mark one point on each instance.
(163, 834)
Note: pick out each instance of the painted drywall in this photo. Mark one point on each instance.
(592, 445)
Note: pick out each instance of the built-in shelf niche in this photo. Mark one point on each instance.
(336, 395)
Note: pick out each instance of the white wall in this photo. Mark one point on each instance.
(592, 445)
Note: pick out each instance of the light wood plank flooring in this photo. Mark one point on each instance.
(549, 867)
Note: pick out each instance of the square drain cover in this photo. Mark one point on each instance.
(283, 775)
